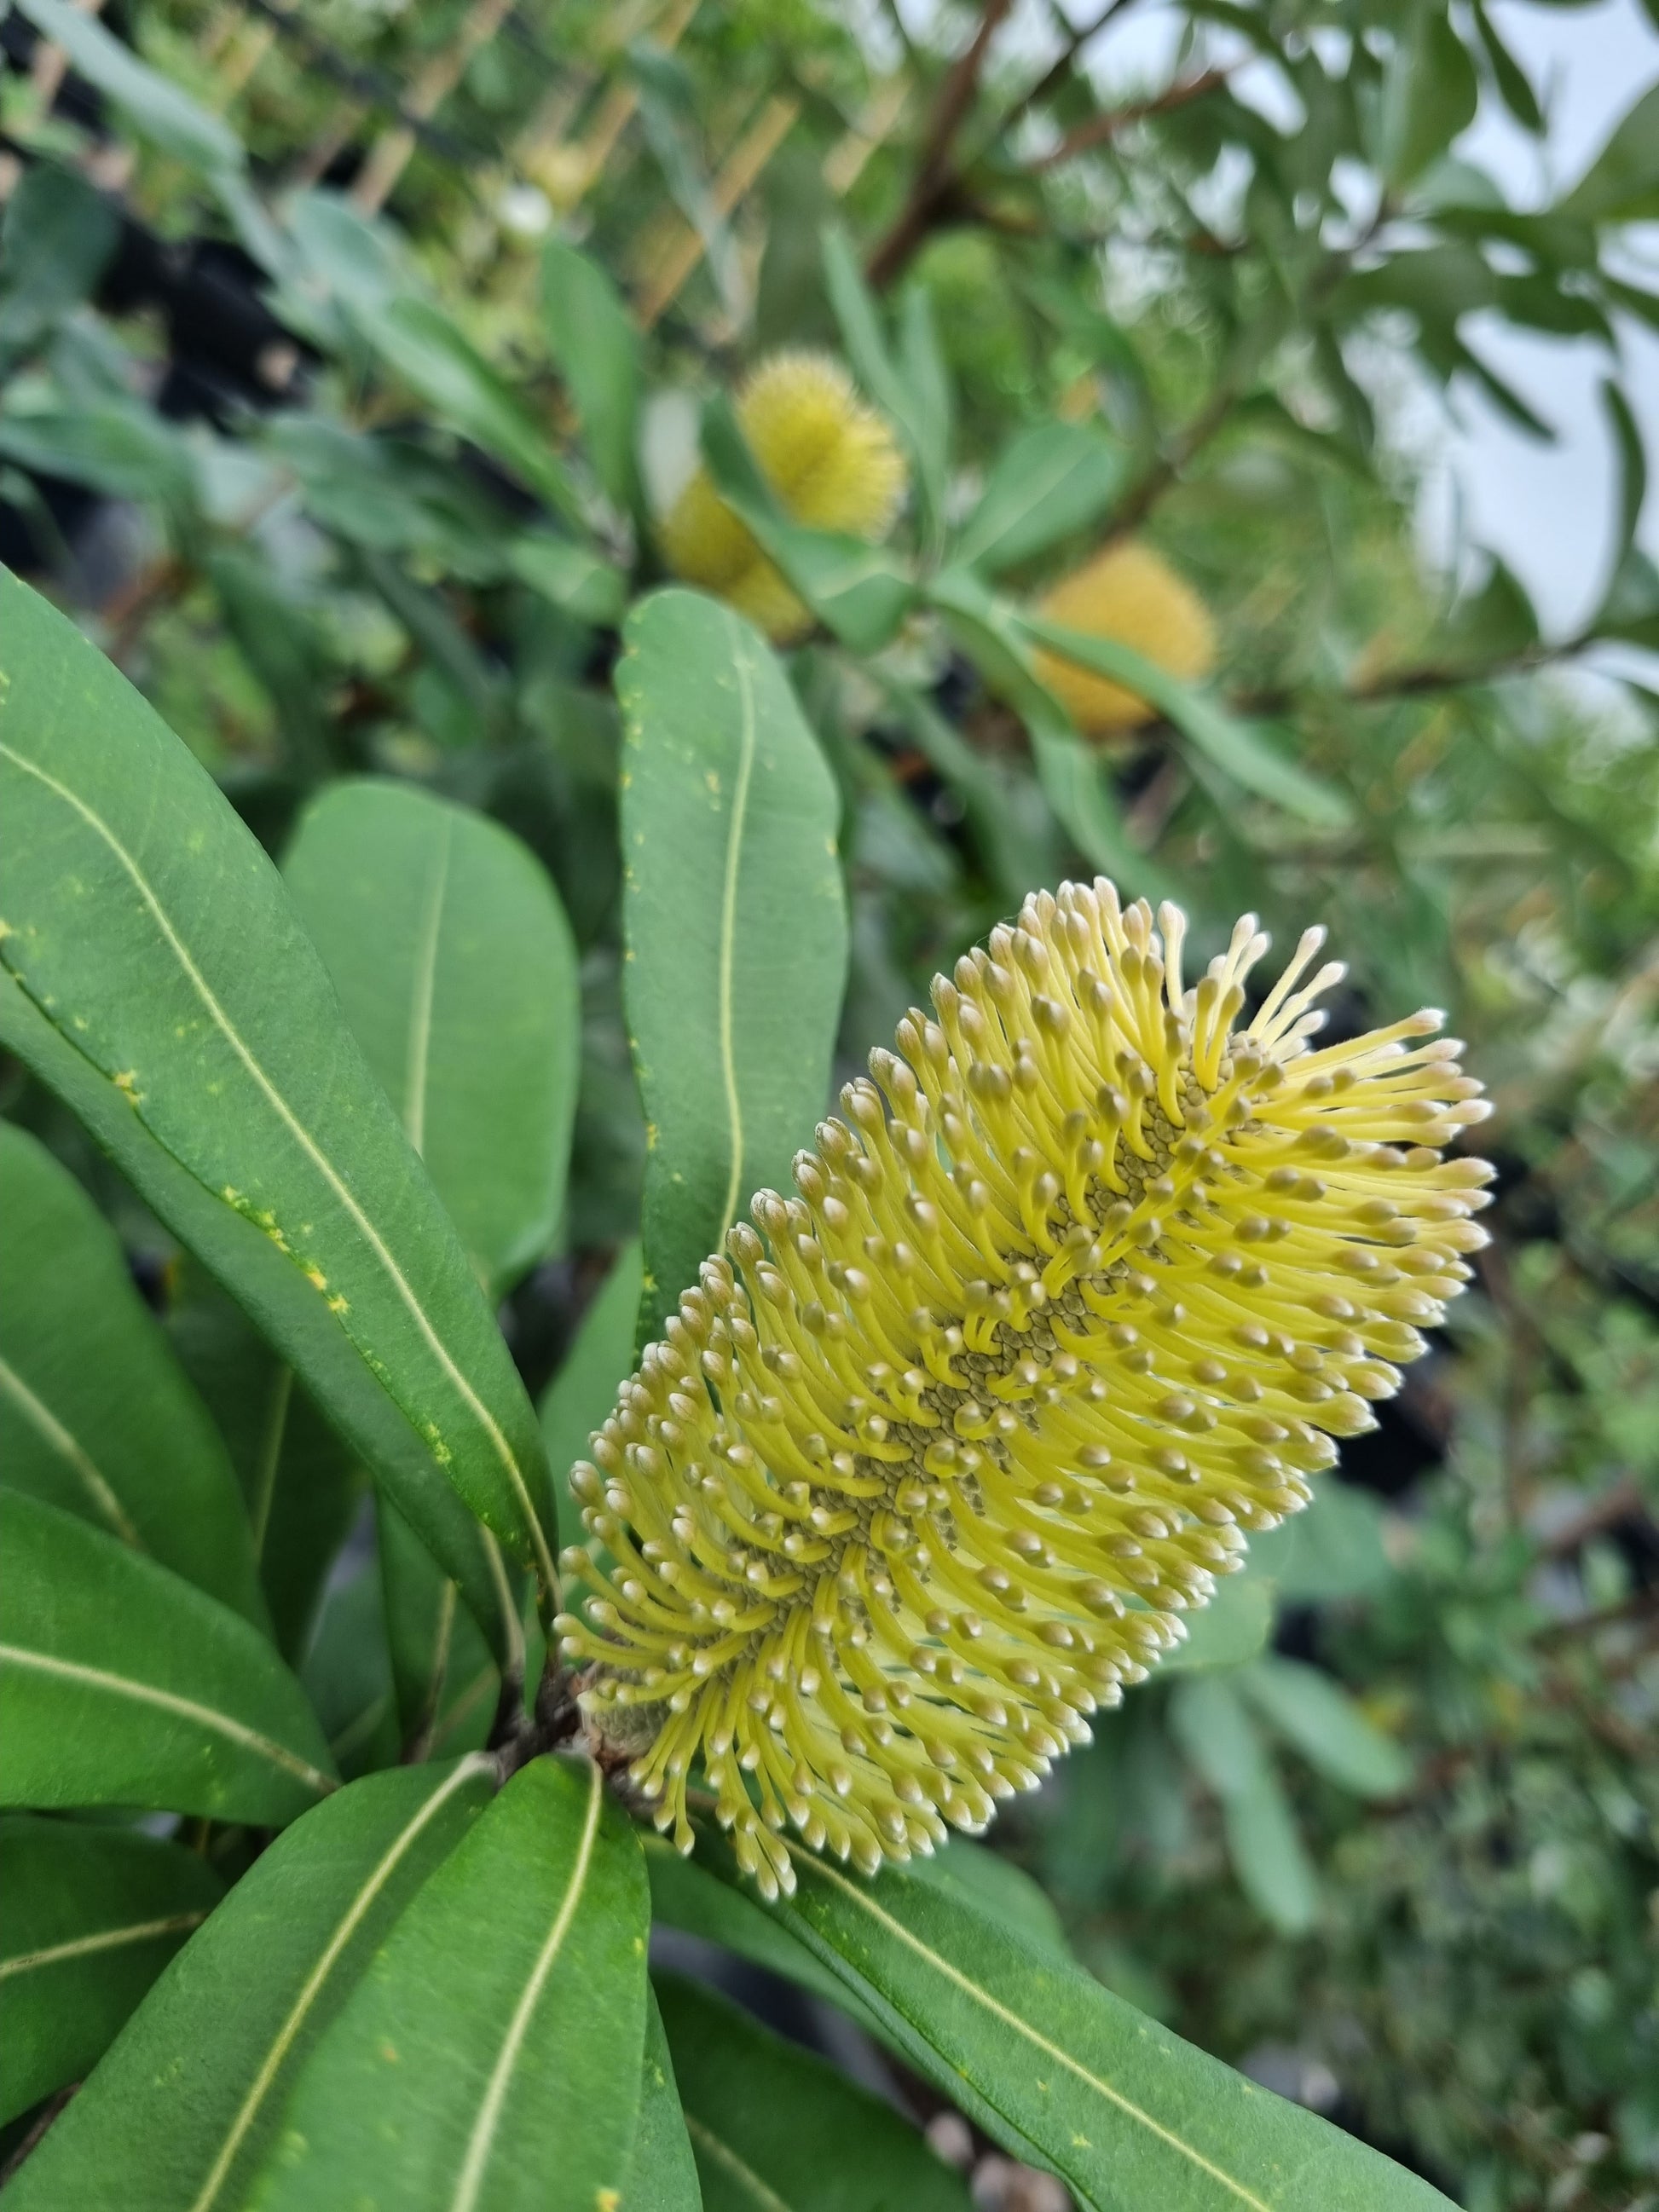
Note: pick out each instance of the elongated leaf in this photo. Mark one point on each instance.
(55, 236)
(686, 1895)
(1073, 776)
(89, 1918)
(121, 1685)
(186, 2102)
(425, 350)
(1014, 836)
(457, 974)
(1633, 469)
(663, 2174)
(581, 1395)
(879, 372)
(348, 1675)
(855, 589)
(433, 1642)
(301, 1482)
(151, 104)
(94, 1414)
(1058, 2069)
(1233, 746)
(1216, 1731)
(1621, 185)
(150, 933)
(490, 2058)
(735, 922)
(1049, 481)
(1316, 1715)
(598, 351)
(1430, 95)
(771, 2124)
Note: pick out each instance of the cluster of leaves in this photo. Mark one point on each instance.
(363, 503)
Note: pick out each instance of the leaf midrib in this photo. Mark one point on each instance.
(984, 1999)
(105, 1939)
(765, 2197)
(150, 1694)
(341, 1191)
(69, 1448)
(746, 744)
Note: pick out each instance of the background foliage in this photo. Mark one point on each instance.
(349, 353)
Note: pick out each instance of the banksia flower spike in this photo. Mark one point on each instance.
(1131, 594)
(1075, 1297)
(832, 462)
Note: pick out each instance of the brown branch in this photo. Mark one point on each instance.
(1111, 120)
(935, 182)
(1058, 70)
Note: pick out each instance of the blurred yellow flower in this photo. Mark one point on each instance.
(1129, 593)
(832, 462)
(1076, 1295)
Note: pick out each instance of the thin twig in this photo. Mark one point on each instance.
(932, 187)
(1097, 129)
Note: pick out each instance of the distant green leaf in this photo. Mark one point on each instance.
(1231, 1628)
(1059, 2071)
(152, 937)
(445, 940)
(185, 2104)
(771, 2124)
(1630, 609)
(734, 921)
(1048, 482)
(930, 401)
(151, 104)
(1338, 1550)
(583, 1394)
(1633, 469)
(347, 1672)
(1621, 185)
(1234, 746)
(1213, 1728)
(301, 1482)
(423, 349)
(1073, 776)
(1514, 87)
(586, 588)
(663, 2172)
(855, 589)
(489, 2060)
(1430, 93)
(1014, 836)
(882, 379)
(110, 445)
(122, 1685)
(55, 236)
(94, 1414)
(1315, 1715)
(89, 1918)
(597, 348)
(431, 1639)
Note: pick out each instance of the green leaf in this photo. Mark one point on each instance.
(89, 1918)
(1430, 95)
(185, 2104)
(154, 937)
(57, 234)
(663, 2173)
(457, 975)
(1010, 833)
(348, 1673)
(151, 105)
(582, 1395)
(300, 1483)
(772, 2125)
(110, 445)
(1338, 1548)
(930, 401)
(1235, 747)
(855, 589)
(1213, 1728)
(1633, 470)
(94, 1415)
(1049, 482)
(424, 350)
(1060, 2072)
(582, 586)
(1316, 1716)
(490, 2058)
(1073, 776)
(735, 919)
(1232, 1627)
(686, 1895)
(598, 351)
(1514, 87)
(1621, 185)
(881, 376)
(997, 1886)
(121, 1685)
(431, 1640)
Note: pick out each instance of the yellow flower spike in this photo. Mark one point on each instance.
(1131, 594)
(832, 462)
(1076, 1295)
